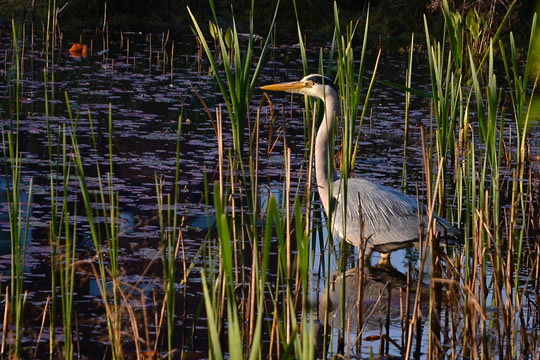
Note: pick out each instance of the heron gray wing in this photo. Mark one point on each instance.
(390, 218)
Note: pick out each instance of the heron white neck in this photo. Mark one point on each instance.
(324, 162)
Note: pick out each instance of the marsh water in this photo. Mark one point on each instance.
(146, 97)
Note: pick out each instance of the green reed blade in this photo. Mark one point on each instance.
(214, 343)
(301, 41)
(453, 26)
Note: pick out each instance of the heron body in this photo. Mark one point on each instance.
(374, 216)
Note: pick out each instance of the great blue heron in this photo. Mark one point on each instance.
(390, 218)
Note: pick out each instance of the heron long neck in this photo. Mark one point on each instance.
(324, 163)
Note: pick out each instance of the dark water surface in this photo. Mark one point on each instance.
(146, 102)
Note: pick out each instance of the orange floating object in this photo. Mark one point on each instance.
(78, 50)
(78, 47)
(372, 338)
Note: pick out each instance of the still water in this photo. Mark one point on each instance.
(145, 97)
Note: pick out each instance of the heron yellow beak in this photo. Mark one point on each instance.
(294, 86)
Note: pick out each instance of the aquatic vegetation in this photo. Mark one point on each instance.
(145, 220)
(241, 79)
(18, 213)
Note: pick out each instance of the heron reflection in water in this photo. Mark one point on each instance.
(378, 280)
(390, 219)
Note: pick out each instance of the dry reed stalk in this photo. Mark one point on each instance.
(5, 322)
(208, 112)
(393, 342)
(434, 338)
(255, 196)
(112, 317)
(405, 326)
(233, 218)
(164, 42)
(374, 308)
(325, 316)
(146, 325)
(288, 294)
(483, 285)
(381, 334)
(150, 53)
(536, 339)
(242, 240)
(256, 174)
(288, 277)
(347, 336)
(172, 61)
(288, 211)
(278, 341)
(199, 55)
(360, 281)
(133, 320)
(310, 171)
(157, 322)
(264, 98)
(417, 314)
(401, 313)
(387, 326)
(23, 40)
(450, 295)
(252, 294)
(273, 332)
(185, 283)
(497, 291)
(41, 327)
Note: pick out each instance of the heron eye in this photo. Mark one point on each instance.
(309, 83)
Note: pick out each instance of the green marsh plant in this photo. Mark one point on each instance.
(493, 253)
(240, 78)
(170, 241)
(107, 200)
(243, 303)
(408, 82)
(18, 212)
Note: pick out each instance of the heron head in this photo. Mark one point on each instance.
(312, 85)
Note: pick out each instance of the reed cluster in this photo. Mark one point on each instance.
(261, 264)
